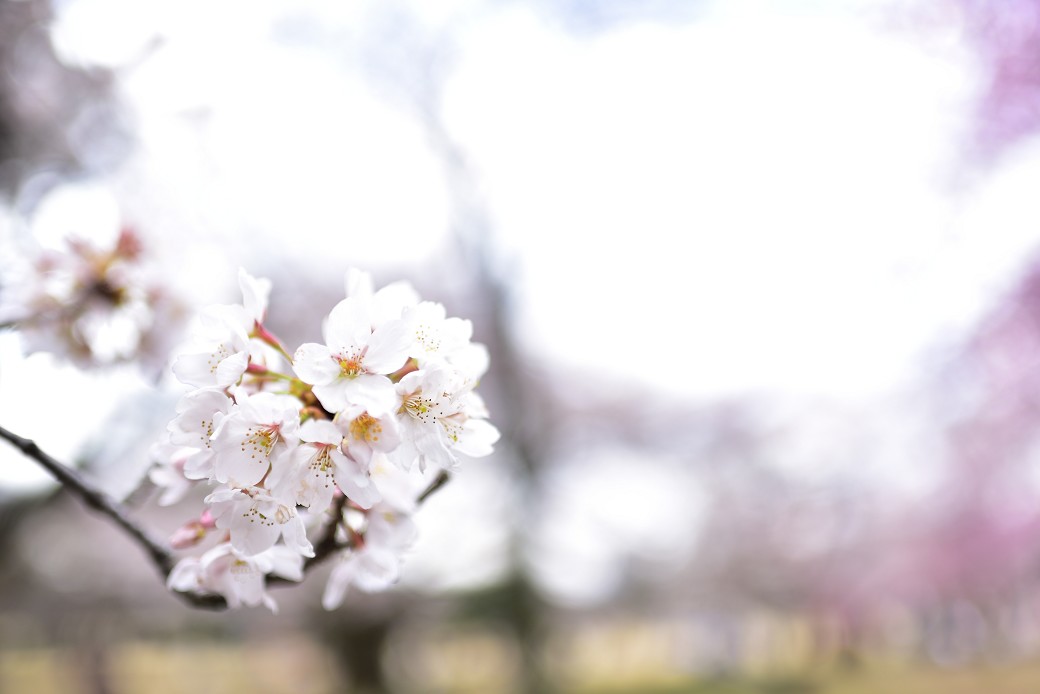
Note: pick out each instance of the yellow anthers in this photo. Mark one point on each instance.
(206, 433)
(216, 357)
(260, 441)
(322, 462)
(350, 368)
(366, 428)
(418, 406)
(428, 338)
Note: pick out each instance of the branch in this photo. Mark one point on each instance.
(72, 480)
(96, 499)
(439, 481)
(159, 552)
(325, 547)
(327, 544)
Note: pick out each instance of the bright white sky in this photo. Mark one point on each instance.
(761, 200)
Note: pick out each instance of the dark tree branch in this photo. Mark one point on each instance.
(439, 481)
(159, 552)
(96, 499)
(73, 481)
(325, 547)
(328, 545)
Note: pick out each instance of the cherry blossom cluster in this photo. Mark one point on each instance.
(93, 306)
(329, 446)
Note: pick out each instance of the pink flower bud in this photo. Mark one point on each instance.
(188, 535)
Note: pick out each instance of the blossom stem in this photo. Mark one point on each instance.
(260, 332)
(410, 366)
(262, 373)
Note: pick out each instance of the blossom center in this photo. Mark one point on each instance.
(260, 440)
(419, 407)
(428, 338)
(322, 462)
(219, 354)
(350, 366)
(366, 428)
(206, 426)
(453, 425)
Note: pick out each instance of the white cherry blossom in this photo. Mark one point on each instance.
(364, 434)
(376, 563)
(438, 416)
(467, 429)
(238, 578)
(224, 338)
(395, 379)
(256, 520)
(470, 363)
(354, 480)
(423, 404)
(386, 304)
(308, 476)
(223, 349)
(351, 367)
(318, 466)
(93, 305)
(260, 428)
(255, 294)
(168, 472)
(198, 414)
(436, 338)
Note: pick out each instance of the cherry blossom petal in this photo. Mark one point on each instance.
(477, 438)
(295, 535)
(349, 325)
(388, 348)
(320, 431)
(255, 293)
(314, 364)
(217, 368)
(286, 562)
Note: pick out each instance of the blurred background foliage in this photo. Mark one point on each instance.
(758, 280)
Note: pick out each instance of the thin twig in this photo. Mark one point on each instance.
(439, 481)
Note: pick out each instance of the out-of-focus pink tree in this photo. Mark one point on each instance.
(963, 557)
(1003, 37)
